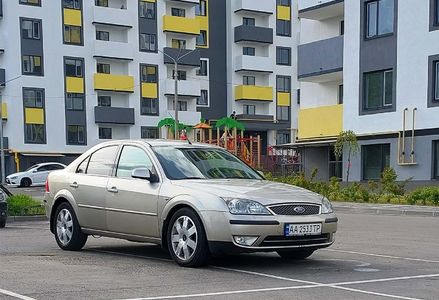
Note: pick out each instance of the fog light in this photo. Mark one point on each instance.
(245, 240)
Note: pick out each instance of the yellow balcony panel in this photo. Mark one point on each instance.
(152, 1)
(204, 22)
(283, 13)
(252, 92)
(114, 83)
(181, 25)
(4, 111)
(75, 85)
(320, 122)
(149, 90)
(72, 17)
(34, 115)
(283, 99)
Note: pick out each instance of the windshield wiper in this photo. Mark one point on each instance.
(189, 178)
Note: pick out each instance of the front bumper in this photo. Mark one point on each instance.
(221, 227)
(12, 182)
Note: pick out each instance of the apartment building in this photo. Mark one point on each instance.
(371, 67)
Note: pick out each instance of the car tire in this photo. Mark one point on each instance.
(2, 223)
(25, 182)
(189, 247)
(68, 233)
(295, 254)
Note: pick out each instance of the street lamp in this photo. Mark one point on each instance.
(175, 61)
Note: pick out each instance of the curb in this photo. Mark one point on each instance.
(12, 219)
(387, 210)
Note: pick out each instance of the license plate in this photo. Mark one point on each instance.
(303, 229)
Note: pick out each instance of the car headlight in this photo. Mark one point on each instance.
(245, 207)
(13, 177)
(326, 206)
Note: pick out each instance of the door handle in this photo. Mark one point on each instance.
(113, 190)
(74, 185)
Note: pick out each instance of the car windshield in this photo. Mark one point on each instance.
(202, 163)
(33, 167)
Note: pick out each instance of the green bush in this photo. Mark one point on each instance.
(24, 205)
(424, 195)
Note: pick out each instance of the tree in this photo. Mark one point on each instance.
(170, 124)
(229, 123)
(346, 140)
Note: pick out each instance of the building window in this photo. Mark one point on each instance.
(74, 101)
(335, 165)
(342, 27)
(283, 27)
(178, 44)
(283, 137)
(379, 18)
(340, 94)
(436, 13)
(149, 132)
(436, 159)
(31, 2)
(33, 98)
(200, 10)
(75, 135)
(202, 38)
(102, 3)
(74, 67)
(250, 51)
(202, 71)
(248, 21)
(182, 105)
(181, 75)
(104, 101)
(72, 34)
(375, 159)
(298, 96)
(147, 10)
(283, 84)
(249, 109)
(283, 113)
(35, 134)
(32, 65)
(436, 80)
(203, 99)
(105, 133)
(283, 2)
(249, 80)
(31, 29)
(148, 42)
(178, 12)
(149, 73)
(283, 56)
(103, 68)
(102, 35)
(149, 106)
(73, 4)
(378, 91)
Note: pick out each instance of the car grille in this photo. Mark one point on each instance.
(280, 240)
(295, 209)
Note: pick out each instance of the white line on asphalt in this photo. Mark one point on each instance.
(15, 295)
(130, 255)
(386, 279)
(384, 256)
(373, 293)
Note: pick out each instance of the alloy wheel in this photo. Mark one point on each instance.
(184, 238)
(64, 227)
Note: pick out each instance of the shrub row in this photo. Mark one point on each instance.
(24, 205)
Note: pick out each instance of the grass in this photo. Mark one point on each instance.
(24, 205)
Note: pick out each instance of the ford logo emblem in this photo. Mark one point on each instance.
(299, 209)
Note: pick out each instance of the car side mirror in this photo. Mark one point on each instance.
(145, 174)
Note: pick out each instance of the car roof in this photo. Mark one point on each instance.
(49, 163)
(165, 143)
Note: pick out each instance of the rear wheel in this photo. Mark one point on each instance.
(295, 254)
(2, 223)
(25, 182)
(68, 233)
(187, 242)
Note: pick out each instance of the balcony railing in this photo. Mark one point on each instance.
(114, 16)
(262, 7)
(255, 34)
(189, 88)
(254, 63)
(320, 9)
(253, 93)
(114, 83)
(116, 50)
(114, 115)
(320, 122)
(181, 25)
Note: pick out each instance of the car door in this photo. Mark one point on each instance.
(132, 203)
(39, 175)
(88, 186)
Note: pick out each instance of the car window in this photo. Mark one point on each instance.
(132, 158)
(33, 167)
(102, 161)
(43, 169)
(82, 168)
(57, 167)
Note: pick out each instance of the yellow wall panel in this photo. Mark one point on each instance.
(324, 121)
(252, 92)
(116, 83)
(149, 90)
(181, 25)
(152, 1)
(75, 85)
(284, 13)
(34, 115)
(283, 99)
(72, 17)
(4, 110)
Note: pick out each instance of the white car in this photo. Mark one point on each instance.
(35, 175)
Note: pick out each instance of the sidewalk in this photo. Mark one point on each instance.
(386, 209)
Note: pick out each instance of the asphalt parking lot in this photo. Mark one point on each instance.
(374, 257)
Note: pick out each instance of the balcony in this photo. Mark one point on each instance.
(114, 83)
(2, 78)
(253, 93)
(114, 115)
(192, 2)
(188, 88)
(4, 111)
(187, 117)
(320, 122)
(261, 7)
(321, 61)
(245, 117)
(320, 9)
(113, 50)
(1, 9)
(255, 34)
(114, 16)
(254, 63)
(192, 59)
(181, 25)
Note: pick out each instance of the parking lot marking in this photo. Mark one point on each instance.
(373, 293)
(130, 255)
(15, 295)
(387, 279)
(383, 256)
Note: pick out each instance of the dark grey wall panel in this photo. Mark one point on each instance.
(114, 115)
(147, 25)
(254, 34)
(431, 80)
(33, 46)
(192, 59)
(255, 117)
(74, 117)
(1, 9)
(320, 57)
(2, 77)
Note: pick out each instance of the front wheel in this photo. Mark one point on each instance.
(187, 242)
(68, 233)
(2, 223)
(295, 254)
(25, 182)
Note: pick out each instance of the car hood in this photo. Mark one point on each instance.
(265, 192)
(16, 174)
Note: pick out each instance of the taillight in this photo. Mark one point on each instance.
(47, 185)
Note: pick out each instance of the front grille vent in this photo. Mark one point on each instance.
(295, 209)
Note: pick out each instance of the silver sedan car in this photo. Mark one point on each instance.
(194, 200)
